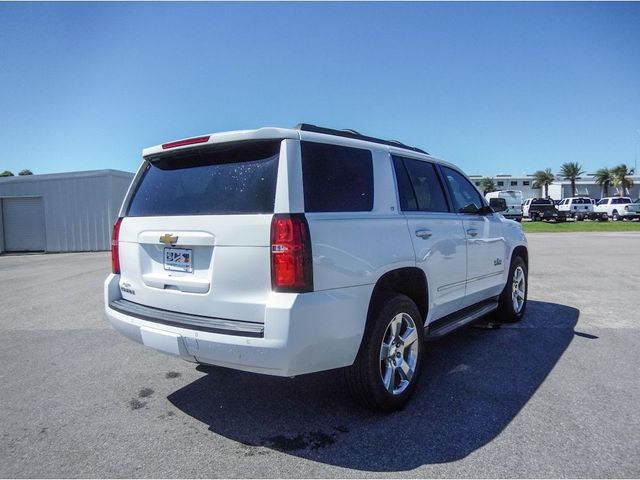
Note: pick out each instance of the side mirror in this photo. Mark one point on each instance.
(470, 208)
(498, 204)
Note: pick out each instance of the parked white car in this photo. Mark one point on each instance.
(618, 208)
(289, 251)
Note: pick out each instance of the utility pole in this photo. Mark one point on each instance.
(635, 158)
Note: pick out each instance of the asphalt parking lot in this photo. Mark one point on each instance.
(557, 395)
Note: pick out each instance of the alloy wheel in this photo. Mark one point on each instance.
(518, 289)
(399, 353)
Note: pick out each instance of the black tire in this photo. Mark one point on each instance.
(364, 379)
(579, 218)
(614, 216)
(506, 312)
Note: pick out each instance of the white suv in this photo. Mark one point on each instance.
(290, 251)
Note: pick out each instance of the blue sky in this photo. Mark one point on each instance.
(492, 87)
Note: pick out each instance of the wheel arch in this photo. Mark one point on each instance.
(409, 281)
(522, 252)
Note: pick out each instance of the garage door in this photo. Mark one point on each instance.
(23, 224)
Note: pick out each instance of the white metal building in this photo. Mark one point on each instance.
(559, 189)
(60, 212)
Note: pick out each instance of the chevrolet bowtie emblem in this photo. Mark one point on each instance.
(169, 239)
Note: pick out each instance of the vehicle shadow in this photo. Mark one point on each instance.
(475, 382)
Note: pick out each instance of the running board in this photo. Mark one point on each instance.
(450, 323)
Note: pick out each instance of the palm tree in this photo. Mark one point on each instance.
(487, 185)
(6, 173)
(604, 177)
(620, 174)
(570, 171)
(24, 172)
(543, 178)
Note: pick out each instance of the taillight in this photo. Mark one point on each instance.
(291, 261)
(626, 208)
(186, 141)
(115, 254)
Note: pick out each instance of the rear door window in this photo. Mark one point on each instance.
(336, 178)
(419, 187)
(233, 178)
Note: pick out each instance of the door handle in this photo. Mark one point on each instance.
(472, 232)
(424, 234)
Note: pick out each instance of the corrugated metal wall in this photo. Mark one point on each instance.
(79, 207)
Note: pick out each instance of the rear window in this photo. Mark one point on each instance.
(336, 178)
(232, 178)
(511, 197)
(541, 201)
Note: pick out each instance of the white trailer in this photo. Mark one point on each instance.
(514, 203)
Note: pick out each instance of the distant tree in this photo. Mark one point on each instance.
(26, 171)
(620, 174)
(6, 173)
(604, 178)
(542, 179)
(487, 185)
(570, 171)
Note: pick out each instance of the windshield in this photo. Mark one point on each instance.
(238, 178)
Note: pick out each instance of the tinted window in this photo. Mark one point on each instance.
(525, 183)
(336, 178)
(237, 178)
(514, 183)
(463, 192)
(408, 201)
(419, 186)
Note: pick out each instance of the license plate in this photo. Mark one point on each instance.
(178, 259)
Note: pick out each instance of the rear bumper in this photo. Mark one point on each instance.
(303, 333)
(552, 216)
(513, 216)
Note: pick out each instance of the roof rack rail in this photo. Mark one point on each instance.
(348, 133)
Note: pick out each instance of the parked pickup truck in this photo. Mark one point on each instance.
(618, 208)
(580, 208)
(542, 209)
